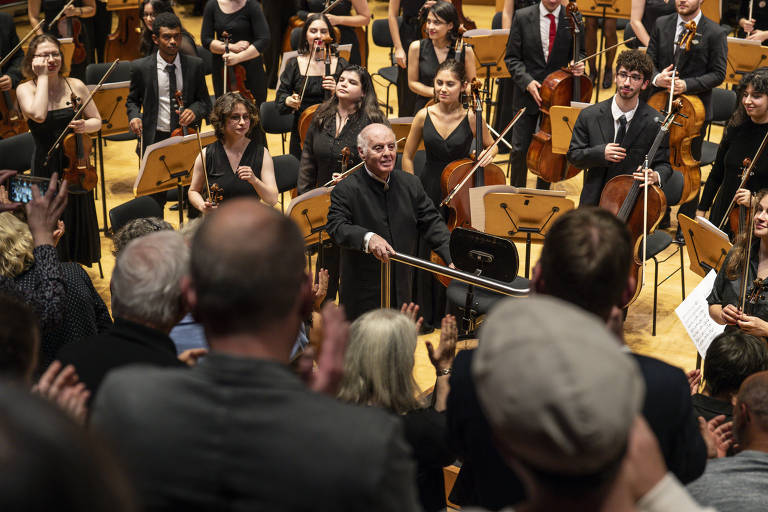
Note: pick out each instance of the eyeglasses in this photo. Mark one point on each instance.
(634, 77)
(52, 55)
(238, 117)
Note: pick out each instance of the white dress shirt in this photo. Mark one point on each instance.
(616, 112)
(544, 27)
(163, 96)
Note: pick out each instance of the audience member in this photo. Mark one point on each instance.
(135, 228)
(378, 371)
(240, 430)
(146, 302)
(741, 482)
(731, 357)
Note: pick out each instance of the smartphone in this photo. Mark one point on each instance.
(20, 187)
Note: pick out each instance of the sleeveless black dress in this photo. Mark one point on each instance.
(428, 65)
(429, 292)
(410, 31)
(80, 242)
(221, 172)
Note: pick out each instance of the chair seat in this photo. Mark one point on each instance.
(483, 299)
(389, 74)
(708, 152)
(657, 242)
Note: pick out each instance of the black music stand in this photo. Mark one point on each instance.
(707, 245)
(310, 212)
(489, 47)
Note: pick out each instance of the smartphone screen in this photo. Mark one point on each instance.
(20, 187)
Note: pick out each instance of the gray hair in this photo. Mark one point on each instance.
(378, 365)
(362, 137)
(146, 279)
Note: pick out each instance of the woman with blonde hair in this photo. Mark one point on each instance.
(378, 372)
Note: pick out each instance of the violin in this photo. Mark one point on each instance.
(76, 27)
(691, 119)
(11, 121)
(737, 214)
(125, 41)
(215, 191)
(560, 87)
(238, 72)
(306, 117)
(346, 154)
(181, 130)
(79, 171)
(621, 196)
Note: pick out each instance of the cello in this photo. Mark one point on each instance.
(682, 133)
(561, 87)
(125, 41)
(621, 196)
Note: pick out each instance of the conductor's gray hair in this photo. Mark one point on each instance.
(146, 282)
(363, 138)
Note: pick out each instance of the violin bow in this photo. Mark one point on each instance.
(744, 177)
(225, 36)
(330, 6)
(21, 43)
(61, 13)
(747, 256)
(80, 110)
(306, 72)
(585, 59)
(751, 2)
(353, 169)
(480, 157)
(202, 160)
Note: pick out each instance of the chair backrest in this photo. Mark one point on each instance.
(286, 172)
(295, 38)
(207, 57)
(272, 121)
(16, 152)
(724, 103)
(94, 72)
(138, 208)
(496, 22)
(380, 32)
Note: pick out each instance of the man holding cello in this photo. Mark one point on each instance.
(540, 43)
(612, 137)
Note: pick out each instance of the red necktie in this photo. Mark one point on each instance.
(552, 33)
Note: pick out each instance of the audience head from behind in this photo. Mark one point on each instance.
(561, 398)
(585, 261)
(750, 413)
(248, 285)
(378, 365)
(16, 246)
(19, 341)
(134, 229)
(52, 463)
(731, 358)
(146, 281)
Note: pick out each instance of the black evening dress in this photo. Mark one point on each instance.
(428, 65)
(429, 293)
(292, 81)
(348, 35)
(80, 242)
(221, 173)
(410, 31)
(246, 24)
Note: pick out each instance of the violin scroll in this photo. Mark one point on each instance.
(215, 195)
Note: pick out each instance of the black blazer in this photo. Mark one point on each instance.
(525, 58)
(594, 130)
(143, 93)
(702, 67)
(8, 40)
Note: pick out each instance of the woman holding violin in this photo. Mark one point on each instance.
(148, 11)
(341, 16)
(443, 42)
(238, 163)
(745, 132)
(308, 73)
(72, 23)
(728, 294)
(46, 102)
(236, 33)
(403, 34)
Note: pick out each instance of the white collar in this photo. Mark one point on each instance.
(161, 61)
(543, 11)
(616, 112)
(697, 19)
(385, 182)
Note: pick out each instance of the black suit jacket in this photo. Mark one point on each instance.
(8, 40)
(594, 129)
(486, 480)
(399, 213)
(702, 67)
(142, 98)
(525, 58)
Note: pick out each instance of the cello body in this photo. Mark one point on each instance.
(453, 174)
(11, 121)
(124, 42)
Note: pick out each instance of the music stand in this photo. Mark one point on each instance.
(743, 57)
(563, 120)
(110, 101)
(489, 47)
(402, 127)
(707, 245)
(516, 212)
(310, 212)
(168, 164)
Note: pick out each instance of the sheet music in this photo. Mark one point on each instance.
(739, 40)
(693, 313)
(711, 227)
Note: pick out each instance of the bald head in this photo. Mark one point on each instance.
(754, 394)
(377, 147)
(247, 268)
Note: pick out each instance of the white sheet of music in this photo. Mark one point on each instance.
(693, 313)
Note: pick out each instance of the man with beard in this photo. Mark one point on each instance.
(612, 137)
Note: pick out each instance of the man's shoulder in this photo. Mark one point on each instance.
(596, 109)
(644, 108)
(708, 25)
(528, 12)
(658, 369)
(667, 19)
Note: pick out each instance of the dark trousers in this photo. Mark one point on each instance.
(522, 133)
(102, 24)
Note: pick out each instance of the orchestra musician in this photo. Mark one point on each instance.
(341, 16)
(447, 130)
(375, 211)
(10, 74)
(81, 10)
(612, 137)
(247, 27)
(425, 55)
(756, 27)
(148, 11)
(237, 162)
(540, 42)
(403, 34)
(336, 125)
(745, 131)
(725, 298)
(288, 97)
(45, 100)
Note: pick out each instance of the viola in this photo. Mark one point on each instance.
(238, 74)
(125, 41)
(79, 171)
(181, 130)
(79, 54)
(560, 87)
(621, 196)
(688, 126)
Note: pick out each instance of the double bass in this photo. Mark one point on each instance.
(125, 41)
(561, 87)
(688, 127)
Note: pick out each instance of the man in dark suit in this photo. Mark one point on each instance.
(151, 104)
(376, 211)
(540, 42)
(614, 136)
(10, 75)
(585, 260)
(240, 430)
